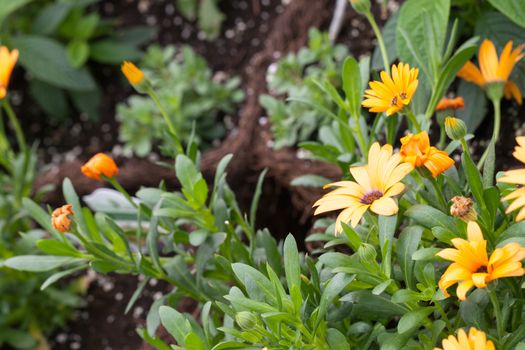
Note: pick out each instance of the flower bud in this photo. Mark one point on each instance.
(134, 75)
(495, 90)
(361, 6)
(455, 128)
(60, 220)
(100, 164)
(462, 208)
(246, 320)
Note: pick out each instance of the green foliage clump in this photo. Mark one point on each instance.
(190, 94)
(295, 77)
(207, 13)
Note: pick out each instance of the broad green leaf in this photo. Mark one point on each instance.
(407, 244)
(515, 233)
(332, 290)
(9, 6)
(413, 319)
(292, 269)
(47, 60)
(77, 53)
(421, 32)
(110, 51)
(372, 307)
(430, 217)
(473, 178)
(50, 17)
(175, 323)
(513, 9)
(475, 105)
(387, 228)
(336, 340)
(352, 85)
(244, 272)
(39, 263)
(53, 247)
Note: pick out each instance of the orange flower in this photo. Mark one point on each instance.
(60, 220)
(134, 75)
(416, 150)
(450, 103)
(100, 164)
(476, 340)
(471, 265)
(392, 93)
(7, 63)
(494, 70)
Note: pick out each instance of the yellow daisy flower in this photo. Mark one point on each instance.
(476, 340)
(472, 267)
(416, 150)
(374, 186)
(7, 63)
(516, 177)
(391, 94)
(493, 70)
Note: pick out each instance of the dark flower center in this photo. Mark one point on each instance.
(371, 196)
(394, 101)
(481, 269)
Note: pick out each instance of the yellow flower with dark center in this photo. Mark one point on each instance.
(516, 177)
(7, 63)
(416, 150)
(475, 340)
(471, 265)
(494, 70)
(391, 94)
(134, 75)
(374, 186)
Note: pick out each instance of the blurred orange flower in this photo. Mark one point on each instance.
(450, 103)
(476, 340)
(7, 63)
(100, 164)
(134, 75)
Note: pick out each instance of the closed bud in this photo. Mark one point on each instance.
(367, 252)
(462, 208)
(361, 6)
(455, 128)
(246, 320)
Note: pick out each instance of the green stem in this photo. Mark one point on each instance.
(380, 41)
(497, 311)
(361, 140)
(16, 125)
(496, 102)
(413, 120)
(167, 119)
(121, 189)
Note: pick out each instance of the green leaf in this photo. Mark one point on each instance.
(332, 290)
(110, 51)
(352, 85)
(413, 320)
(47, 60)
(194, 342)
(247, 274)
(425, 254)
(52, 99)
(430, 217)
(39, 263)
(77, 53)
(372, 307)
(9, 6)
(56, 276)
(513, 9)
(475, 105)
(210, 18)
(53, 247)
(310, 181)
(292, 270)
(387, 228)
(407, 244)
(473, 178)
(50, 17)
(336, 340)
(515, 233)
(175, 323)
(421, 32)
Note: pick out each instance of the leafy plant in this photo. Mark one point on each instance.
(207, 12)
(294, 77)
(192, 98)
(57, 40)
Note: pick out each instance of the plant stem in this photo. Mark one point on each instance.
(380, 41)
(167, 119)
(121, 189)
(16, 125)
(496, 102)
(497, 311)
(413, 120)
